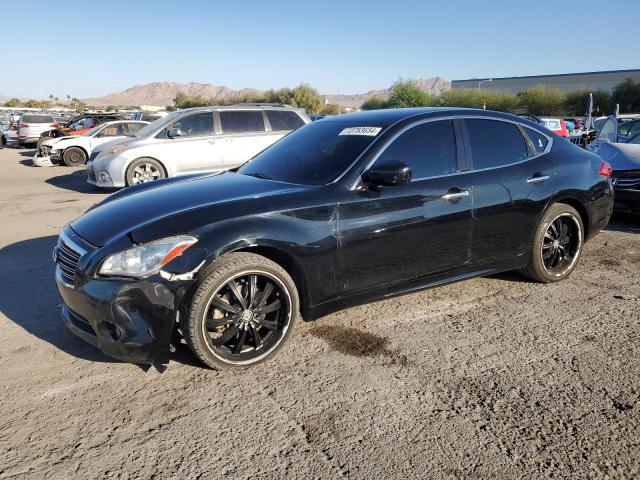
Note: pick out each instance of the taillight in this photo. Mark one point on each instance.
(605, 169)
(23, 125)
(55, 125)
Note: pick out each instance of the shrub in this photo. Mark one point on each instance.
(405, 93)
(542, 101)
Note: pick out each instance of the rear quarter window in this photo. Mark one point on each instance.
(283, 120)
(538, 140)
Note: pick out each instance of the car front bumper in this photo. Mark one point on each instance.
(102, 178)
(128, 319)
(627, 200)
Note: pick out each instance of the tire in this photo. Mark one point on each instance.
(555, 256)
(206, 324)
(74, 157)
(144, 170)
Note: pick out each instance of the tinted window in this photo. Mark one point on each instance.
(429, 149)
(283, 120)
(196, 125)
(315, 154)
(37, 119)
(495, 143)
(635, 140)
(539, 141)
(609, 129)
(242, 121)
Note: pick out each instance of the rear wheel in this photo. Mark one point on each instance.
(557, 245)
(144, 170)
(242, 312)
(74, 157)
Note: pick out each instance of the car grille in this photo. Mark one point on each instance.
(44, 150)
(67, 259)
(626, 179)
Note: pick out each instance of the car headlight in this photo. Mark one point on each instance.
(147, 258)
(111, 150)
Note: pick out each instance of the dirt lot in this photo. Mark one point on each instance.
(491, 378)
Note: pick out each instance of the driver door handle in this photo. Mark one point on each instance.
(455, 195)
(538, 179)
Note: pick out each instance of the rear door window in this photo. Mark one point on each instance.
(284, 120)
(130, 129)
(241, 121)
(429, 149)
(495, 143)
(538, 140)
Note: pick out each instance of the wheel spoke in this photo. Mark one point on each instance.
(236, 293)
(268, 290)
(219, 322)
(554, 230)
(257, 339)
(563, 230)
(226, 336)
(272, 307)
(253, 286)
(238, 348)
(547, 255)
(548, 236)
(222, 305)
(271, 325)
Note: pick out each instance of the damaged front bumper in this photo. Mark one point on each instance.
(128, 319)
(45, 157)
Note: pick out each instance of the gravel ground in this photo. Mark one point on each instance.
(489, 378)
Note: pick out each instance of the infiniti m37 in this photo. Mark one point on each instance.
(340, 212)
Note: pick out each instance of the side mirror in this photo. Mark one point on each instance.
(174, 133)
(388, 174)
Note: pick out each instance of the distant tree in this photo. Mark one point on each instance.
(375, 103)
(74, 102)
(405, 93)
(57, 100)
(627, 94)
(331, 109)
(542, 101)
(68, 99)
(14, 102)
(35, 104)
(576, 102)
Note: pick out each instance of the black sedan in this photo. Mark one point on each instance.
(344, 211)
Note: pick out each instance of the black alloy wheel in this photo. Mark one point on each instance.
(242, 312)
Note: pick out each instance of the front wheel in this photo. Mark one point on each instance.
(74, 157)
(242, 313)
(557, 245)
(144, 170)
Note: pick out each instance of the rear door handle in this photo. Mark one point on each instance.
(455, 195)
(538, 179)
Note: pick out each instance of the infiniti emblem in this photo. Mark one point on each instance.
(614, 181)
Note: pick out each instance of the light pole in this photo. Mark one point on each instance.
(482, 81)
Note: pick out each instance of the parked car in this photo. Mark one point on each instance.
(32, 125)
(192, 140)
(75, 150)
(556, 125)
(81, 124)
(347, 210)
(4, 137)
(624, 158)
(5, 121)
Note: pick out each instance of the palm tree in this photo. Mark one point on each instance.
(68, 99)
(57, 100)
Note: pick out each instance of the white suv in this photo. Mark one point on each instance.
(193, 140)
(32, 125)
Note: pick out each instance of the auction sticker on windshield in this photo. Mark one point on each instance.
(367, 131)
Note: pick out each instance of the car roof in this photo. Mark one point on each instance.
(391, 116)
(240, 106)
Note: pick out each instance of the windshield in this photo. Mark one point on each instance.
(158, 124)
(315, 154)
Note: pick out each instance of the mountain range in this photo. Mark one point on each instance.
(162, 93)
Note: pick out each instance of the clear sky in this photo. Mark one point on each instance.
(92, 48)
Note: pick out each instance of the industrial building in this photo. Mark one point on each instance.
(566, 82)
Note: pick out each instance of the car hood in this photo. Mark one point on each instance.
(621, 156)
(131, 210)
(58, 141)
